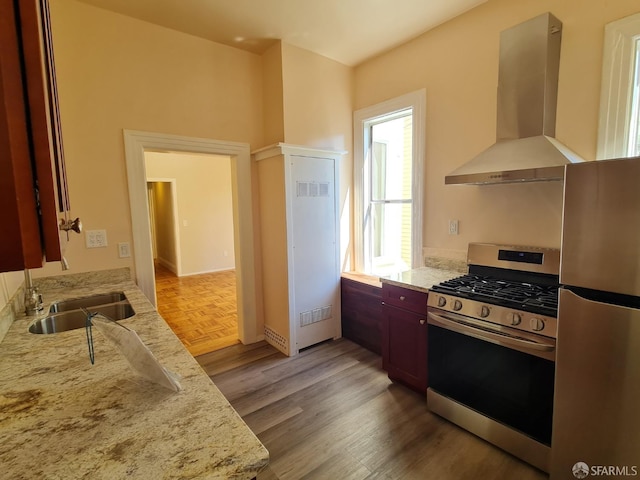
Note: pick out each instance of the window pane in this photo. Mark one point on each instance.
(391, 159)
(391, 238)
(634, 124)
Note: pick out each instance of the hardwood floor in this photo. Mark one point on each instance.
(200, 309)
(332, 413)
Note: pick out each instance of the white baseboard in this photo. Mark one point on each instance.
(189, 274)
(167, 264)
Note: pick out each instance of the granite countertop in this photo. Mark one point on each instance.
(437, 270)
(63, 418)
(372, 280)
(421, 279)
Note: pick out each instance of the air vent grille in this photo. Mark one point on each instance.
(315, 315)
(274, 338)
(312, 189)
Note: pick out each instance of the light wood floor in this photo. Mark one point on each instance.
(332, 413)
(200, 309)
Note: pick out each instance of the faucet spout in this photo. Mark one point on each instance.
(32, 298)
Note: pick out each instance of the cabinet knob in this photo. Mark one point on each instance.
(75, 225)
(422, 321)
(402, 297)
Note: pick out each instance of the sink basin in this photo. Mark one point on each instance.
(68, 314)
(87, 302)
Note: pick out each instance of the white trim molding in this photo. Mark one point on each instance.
(136, 143)
(417, 102)
(616, 98)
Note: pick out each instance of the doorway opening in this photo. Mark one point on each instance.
(249, 303)
(191, 219)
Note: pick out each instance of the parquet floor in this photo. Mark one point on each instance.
(200, 309)
(331, 413)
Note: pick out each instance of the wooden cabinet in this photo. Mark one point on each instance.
(362, 314)
(32, 184)
(404, 336)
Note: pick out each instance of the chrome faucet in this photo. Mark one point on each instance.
(32, 298)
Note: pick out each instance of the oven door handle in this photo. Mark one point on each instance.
(485, 333)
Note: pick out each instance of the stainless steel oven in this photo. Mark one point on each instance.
(491, 348)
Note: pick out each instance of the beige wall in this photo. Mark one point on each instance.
(317, 96)
(9, 284)
(273, 106)
(274, 240)
(116, 72)
(457, 63)
(318, 112)
(205, 216)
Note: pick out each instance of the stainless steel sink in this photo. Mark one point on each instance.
(87, 302)
(69, 314)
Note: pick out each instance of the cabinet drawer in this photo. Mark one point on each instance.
(404, 298)
(359, 288)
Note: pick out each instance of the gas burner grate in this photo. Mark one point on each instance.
(529, 297)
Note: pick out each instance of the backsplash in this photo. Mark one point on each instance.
(442, 263)
(84, 278)
(13, 308)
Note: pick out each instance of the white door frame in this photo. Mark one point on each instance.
(136, 143)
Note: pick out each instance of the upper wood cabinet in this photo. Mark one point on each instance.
(33, 188)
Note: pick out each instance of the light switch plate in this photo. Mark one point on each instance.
(124, 250)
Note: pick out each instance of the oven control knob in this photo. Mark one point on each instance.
(484, 311)
(515, 318)
(537, 324)
(457, 305)
(442, 301)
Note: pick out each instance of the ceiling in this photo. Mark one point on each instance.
(348, 31)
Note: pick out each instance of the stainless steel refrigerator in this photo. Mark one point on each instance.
(596, 418)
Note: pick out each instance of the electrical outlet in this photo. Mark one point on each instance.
(124, 250)
(453, 227)
(95, 238)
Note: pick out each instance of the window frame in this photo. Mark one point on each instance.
(362, 119)
(617, 94)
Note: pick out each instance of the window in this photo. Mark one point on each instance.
(388, 185)
(633, 146)
(619, 129)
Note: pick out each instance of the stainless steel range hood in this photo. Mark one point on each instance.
(525, 148)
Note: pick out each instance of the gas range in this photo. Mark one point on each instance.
(516, 287)
(492, 348)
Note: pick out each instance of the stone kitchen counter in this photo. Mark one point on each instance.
(63, 418)
(421, 279)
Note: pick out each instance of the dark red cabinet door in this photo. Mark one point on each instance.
(362, 314)
(404, 343)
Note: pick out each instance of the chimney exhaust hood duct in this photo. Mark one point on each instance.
(525, 148)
